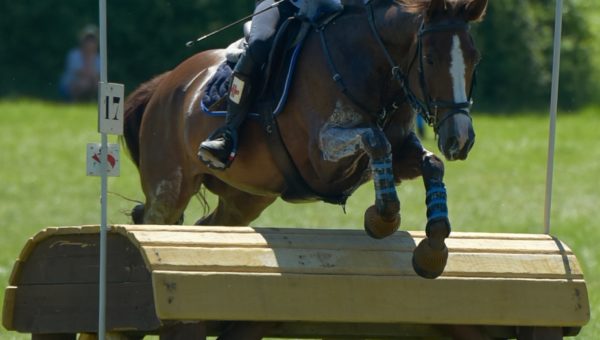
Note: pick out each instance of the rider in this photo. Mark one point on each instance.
(218, 151)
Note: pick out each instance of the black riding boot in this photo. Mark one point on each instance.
(219, 149)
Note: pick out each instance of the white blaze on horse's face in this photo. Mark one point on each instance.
(459, 87)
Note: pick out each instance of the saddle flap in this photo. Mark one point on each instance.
(276, 78)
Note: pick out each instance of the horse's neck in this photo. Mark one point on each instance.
(361, 61)
(397, 28)
(358, 59)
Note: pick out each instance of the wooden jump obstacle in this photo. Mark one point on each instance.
(312, 283)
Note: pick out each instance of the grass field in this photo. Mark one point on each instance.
(499, 189)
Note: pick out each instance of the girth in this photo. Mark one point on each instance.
(297, 189)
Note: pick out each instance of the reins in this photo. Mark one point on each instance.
(420, 107)
(337, 77)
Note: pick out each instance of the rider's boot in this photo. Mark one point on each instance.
(220, 148)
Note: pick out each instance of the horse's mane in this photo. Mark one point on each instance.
(414, 6)
(420, 6)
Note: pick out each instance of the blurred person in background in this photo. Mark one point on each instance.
(79, 81)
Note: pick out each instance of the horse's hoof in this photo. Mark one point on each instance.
(137, 214)
(377, 227)
(429, 262)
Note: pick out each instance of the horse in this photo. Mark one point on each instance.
(361, 78)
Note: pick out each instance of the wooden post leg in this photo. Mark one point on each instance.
(464, 332)
(539, 333)
(53, 336)
(110, 336)
(184, 331)
(246, 330)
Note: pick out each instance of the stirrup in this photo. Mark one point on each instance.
(206, 150)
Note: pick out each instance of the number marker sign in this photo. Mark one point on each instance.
(110, 117)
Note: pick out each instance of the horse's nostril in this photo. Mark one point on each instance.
(452, 144)
(470, 144)
(451, 147)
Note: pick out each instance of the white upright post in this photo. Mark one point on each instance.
(103, 180)
(103, 159)
(553, 111)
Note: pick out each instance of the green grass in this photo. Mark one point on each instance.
(499, 189)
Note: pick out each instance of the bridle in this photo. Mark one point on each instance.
(424, 107)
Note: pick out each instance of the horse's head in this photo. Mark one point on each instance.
(446, 59)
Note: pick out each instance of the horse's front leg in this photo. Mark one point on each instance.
(431, 255)
(383, 218)
(410, 161)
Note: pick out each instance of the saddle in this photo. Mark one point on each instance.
(277, 79)
(278, 72)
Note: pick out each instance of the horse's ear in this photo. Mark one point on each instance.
(435, 7)
(475, 10)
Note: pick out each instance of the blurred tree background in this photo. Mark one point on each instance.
(147, 37)
(516, 41)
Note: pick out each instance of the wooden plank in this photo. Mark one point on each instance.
(498, 266)
(364, 299)
(9, 307)
(73, 308)
(51, 231)
(342, 262)
(15, 272)
(123, 228)
(33, 242)
(74, 259)
(70, 230)
(27, 249)
(400, 242)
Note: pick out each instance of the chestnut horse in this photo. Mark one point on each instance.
(389, 60)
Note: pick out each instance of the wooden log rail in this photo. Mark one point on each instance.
(301, 282)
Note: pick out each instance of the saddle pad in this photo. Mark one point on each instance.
(217, 88)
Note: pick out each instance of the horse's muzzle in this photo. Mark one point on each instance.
(456, 137)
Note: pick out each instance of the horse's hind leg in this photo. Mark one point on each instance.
(168, 187)
(165, 164)
(167, 198)
(235, 207)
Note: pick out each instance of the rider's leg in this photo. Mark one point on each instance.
(219, 150)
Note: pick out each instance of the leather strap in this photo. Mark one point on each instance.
(297, 190)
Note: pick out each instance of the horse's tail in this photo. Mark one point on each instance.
(135, 105)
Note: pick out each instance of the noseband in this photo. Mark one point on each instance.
(424, 107)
